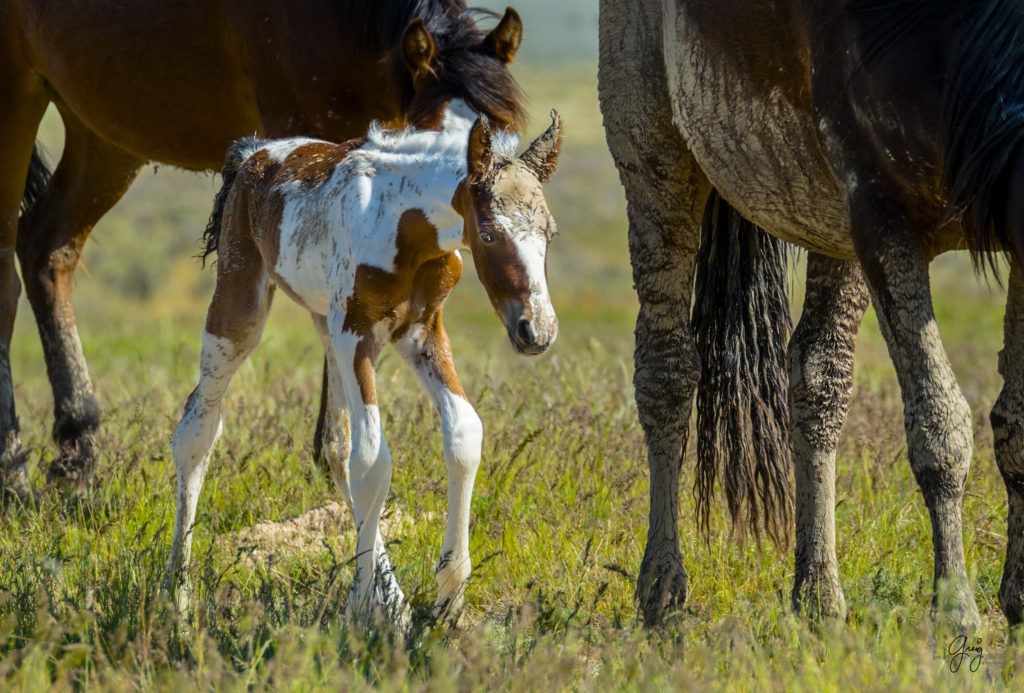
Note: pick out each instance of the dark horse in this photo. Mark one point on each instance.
(876, 134)
(177, 83)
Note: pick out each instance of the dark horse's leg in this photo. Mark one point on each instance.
(91, 177)
(821, 380)
(1008, 428)
(665, 194)
(21, 108)
(321, 426)
(936, 415)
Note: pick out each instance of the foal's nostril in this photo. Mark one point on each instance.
(525, 331)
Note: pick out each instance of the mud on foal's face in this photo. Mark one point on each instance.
(508, 227)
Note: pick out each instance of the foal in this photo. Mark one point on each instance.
(366, 235)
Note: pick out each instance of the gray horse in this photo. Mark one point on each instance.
(874, 133)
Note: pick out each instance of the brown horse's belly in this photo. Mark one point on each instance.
(758, 149)
(160, 82)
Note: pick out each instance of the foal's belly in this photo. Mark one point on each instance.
(758, 149)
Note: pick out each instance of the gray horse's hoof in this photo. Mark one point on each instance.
(661, 585)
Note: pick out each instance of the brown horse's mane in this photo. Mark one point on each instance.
(466, 69)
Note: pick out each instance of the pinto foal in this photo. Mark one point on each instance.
(366, 236)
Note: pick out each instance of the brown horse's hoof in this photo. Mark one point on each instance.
(661, 585)
(15, 487)
(73, 470)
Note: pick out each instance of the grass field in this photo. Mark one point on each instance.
(559, 514)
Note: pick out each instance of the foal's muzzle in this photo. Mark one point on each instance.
(530, 334)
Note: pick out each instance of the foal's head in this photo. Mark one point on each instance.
(508, 227)
(449, 58)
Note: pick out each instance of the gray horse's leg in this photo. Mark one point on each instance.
(821, 355)
(665, 194)
(936, 415)
(1008, 428)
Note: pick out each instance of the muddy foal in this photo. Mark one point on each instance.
(366, 235)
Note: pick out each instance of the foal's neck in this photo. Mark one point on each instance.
(432, 163)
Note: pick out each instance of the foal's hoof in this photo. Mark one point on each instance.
(661, 585)
(73, 469)
(395, 617)
(449, 611)
(818, 595)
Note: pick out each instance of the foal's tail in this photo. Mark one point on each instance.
(36, 180)
(237, 154)
(741, 318)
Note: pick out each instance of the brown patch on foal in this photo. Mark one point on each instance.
(242, 293)
(394, 297)
(312, 164)
(379, 293)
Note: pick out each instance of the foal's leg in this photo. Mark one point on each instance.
(92, 175)
(665, 195)
(238, 312)
(426, 349)
(334, 427)
(369, 469)
(821, 354)
(1008, 428)
(936, 415)
(337, 449)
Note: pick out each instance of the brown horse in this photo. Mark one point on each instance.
(177, 83)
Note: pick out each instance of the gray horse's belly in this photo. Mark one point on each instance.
(758, 150)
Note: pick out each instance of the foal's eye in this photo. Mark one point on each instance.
(486, 236)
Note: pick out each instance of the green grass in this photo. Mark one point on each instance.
(559, 514)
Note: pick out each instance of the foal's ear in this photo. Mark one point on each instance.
(480, 157)
(417, 47)
(505, 38)
(542, 156)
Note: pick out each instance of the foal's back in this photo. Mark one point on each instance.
(326, 218)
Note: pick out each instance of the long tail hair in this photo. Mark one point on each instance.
(741, 318)
(36, 179)
(236, 156)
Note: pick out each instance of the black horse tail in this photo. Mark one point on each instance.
(237, 154)
(36, 180)
(742, 323)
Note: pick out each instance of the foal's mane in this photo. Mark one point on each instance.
(465, 68)
(982, 120)
(413, 141)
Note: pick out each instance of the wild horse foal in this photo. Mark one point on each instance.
(365, 235)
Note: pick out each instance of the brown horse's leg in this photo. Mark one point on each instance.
(821, 380)
(936, 415)
(23, 105)
(665, 194)
(1008, 428)
(91, 177)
